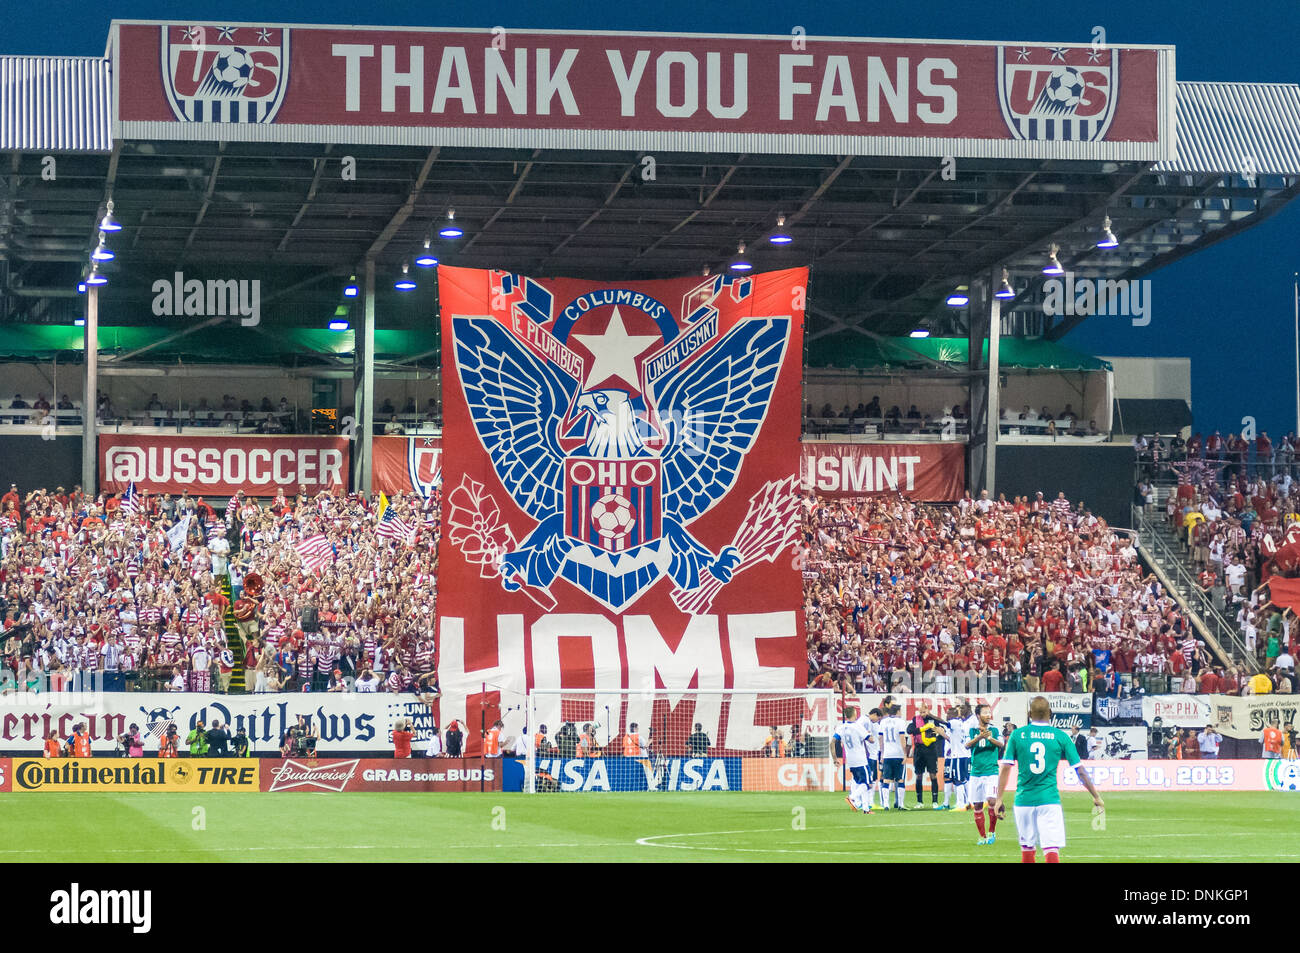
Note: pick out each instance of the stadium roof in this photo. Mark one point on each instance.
(886, 237)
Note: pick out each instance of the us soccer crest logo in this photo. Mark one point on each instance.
(1058, 93)
(424, 465)
(225, 74)
(614, 421)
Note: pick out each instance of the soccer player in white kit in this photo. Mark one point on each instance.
(893, 733)
(853, 737)
(956, 757)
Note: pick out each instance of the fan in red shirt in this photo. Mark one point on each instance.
(1053, 680)
(401, 740)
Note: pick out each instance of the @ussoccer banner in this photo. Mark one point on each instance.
(620, 501)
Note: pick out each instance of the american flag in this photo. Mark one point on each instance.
(130, 500)
(159, 728)
(391, 527)
(316, 552)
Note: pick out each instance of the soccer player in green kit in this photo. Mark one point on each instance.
(985, 744)
(1035, 750)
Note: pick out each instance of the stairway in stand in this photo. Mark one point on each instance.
(233, 642)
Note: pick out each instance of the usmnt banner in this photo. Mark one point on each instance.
(929, 472)
(564, 90)
(621, 507)
(407, 465)
(218, 466)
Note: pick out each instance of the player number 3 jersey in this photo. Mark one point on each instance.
(1036, 750)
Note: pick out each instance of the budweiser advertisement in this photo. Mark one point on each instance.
(622, 459)
(219, 465)
(930, 472)
(382, 774)
(407, 465)
(271, 82)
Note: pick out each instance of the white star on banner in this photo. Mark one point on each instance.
(263, 35)
(1022, 54)
(615, 351)
(1094, 55)
(225, 33)
(1058, 53)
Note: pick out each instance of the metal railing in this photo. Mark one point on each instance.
(1173, 562)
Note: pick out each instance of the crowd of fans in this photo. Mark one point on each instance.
(1237, 530)
(1041, 593)
(86, 586)
(895, 420)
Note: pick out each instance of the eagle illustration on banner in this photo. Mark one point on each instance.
(614, 421)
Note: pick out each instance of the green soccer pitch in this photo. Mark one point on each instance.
(672, 828)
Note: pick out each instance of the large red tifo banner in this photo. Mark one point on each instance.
(930, 472)
(407, 465)
(620, 507)
(510, 88)
(219, 465)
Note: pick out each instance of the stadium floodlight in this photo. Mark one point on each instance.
(102, 252)
(741, 263)
(1108, 239)
(451, 229)
(959, 298)
(339, 325)
(780, 236)
(1006, 291)
(1053, 266)
(108, 223)
(404, 283)
(920, 333)
(95, 278)
(426, 258)
(80, 322)
(350, 290)
(81, 287)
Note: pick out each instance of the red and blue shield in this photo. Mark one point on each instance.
(424, 465)
(613, 504)
(1058, 93)
(225, 74)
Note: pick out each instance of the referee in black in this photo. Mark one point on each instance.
(927, 735)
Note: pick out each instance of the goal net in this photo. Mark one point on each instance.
(584, 740)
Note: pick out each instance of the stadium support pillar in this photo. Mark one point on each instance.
(977, 389)
(90, 396)
(364, 377)
(993, 405)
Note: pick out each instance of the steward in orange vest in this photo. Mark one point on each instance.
(492, 740)
(632, 742)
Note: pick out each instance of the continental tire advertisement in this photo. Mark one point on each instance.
(132, 774)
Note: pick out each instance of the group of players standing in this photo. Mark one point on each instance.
(978, 757)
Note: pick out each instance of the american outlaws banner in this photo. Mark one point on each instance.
(623, 454)
(931, 472)
(218, 466)
(407, 465)
(499, 88)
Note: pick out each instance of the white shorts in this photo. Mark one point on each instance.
(1042, 825)
(982, 788)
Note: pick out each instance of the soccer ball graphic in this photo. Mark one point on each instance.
(1064, 88)
(613, 517)
(232, 68)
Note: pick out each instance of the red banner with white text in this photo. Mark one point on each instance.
(621, 508)
(570, 90)
(407, 465)
(217, 465)
(929, 472)
(381, 774)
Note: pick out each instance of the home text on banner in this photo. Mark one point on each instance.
(623, 453)
(217, 466)
(569, 90)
